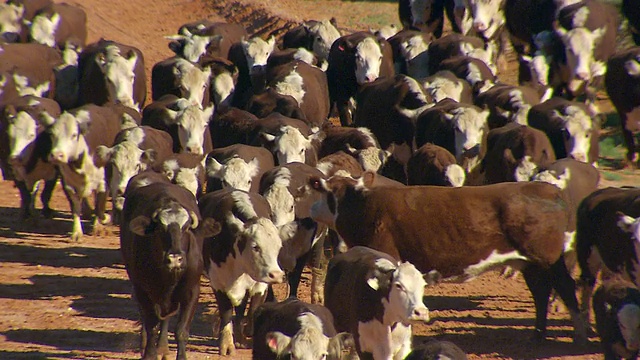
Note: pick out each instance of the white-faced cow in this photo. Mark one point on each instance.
(387, 223)
(317, 36)
(111, 72)
(185, 170)
(207, 38)
(237, 166)
(358, 142)
(300, 330)
(434, 165)
(242, 258)
(622, 81)
(410, 52)
(12, 22)
(250, 57)
(445, 84)
(453, 45)
(59, 26)
(355, 60)
(161, 240)
(181, 78)
(374, 296)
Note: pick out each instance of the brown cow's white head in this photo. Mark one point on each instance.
(11, 18)
(235, 172)
(282, 202)
(257, 52)
(192, 122)
(368, 58)
(470, 124)
(43, 29)
(488, 16)
(577, 131)
(290, 145)
(67, 136)
(193, 81)
(21, 130)
(580, 44)
(324, 33)
(192, 46)
(414, 51)
(119, 72)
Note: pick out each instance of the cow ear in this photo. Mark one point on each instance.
(208, 112)
(268, 137)
(624, 221)
(140, 225)
(102, 156)
(101, 61)
(208, 228)
(368, 177)
(254, 166)
(334, 22)
(278, 342)
(175, 46)
(149, 156)
(508, 155)
(213, 167)
(132, 57)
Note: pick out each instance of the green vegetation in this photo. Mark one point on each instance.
(609, 176)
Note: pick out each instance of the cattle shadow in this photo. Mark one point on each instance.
(71, 340)
(13, 226)
(440, 302)
(33, 355)
(71, 257)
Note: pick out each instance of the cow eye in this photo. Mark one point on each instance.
(292, 208)
(256, 248)
(399, 287)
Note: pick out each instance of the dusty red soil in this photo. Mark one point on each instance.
(63, 300)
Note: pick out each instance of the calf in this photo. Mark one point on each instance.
(358, 142)
(111, 72)
(181, 78)
(317, 36)
(508, 103)
(59, 26)
(161, 245)
(300, 330)
(185, 170)
(237, 166)
(388, 223)
(434, 165)
(616, 304)
(186, 123)
(355, 60)
(241, 258)
(569, 126)
(515, 152)
(374, 296)
(622, 80)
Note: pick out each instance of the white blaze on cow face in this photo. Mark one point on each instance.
(579, 46)
(193, 45)
(469, 125)
(325, 34)
(223, 88)
(455, 175)
(192, 123)
(173, 215)
(193, 81)
(22, 131)
(578, 125)
(11, 18)
(280, 199)
(292, 85)
(126, 162)
(67, 143)
(289, 145)
(629, 324)
(43, 29)
(487, 16)
(257, 52)
(538, 67)
(414, 51)
(525, 170)
(235, 173)
(309, 343)
(368, 56)
(405, 296)
(119, 71)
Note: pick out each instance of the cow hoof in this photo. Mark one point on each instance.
(99, 229)
(48, 213)
(76, 237)
(538, 337)
(226, 344)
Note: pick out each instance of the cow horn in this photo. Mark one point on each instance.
(194, 219)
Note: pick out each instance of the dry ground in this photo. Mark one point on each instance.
(62, 300)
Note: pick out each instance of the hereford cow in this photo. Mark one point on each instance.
(445, 84)
(434, 165)
(410, 55)
(358, 142)
(387, 223)
(223, 80)
(370, 292)
(205, 37)
(185, 170)
(181, 78)
(428, 15)
(341, 163)
(242, 258)
(355, 60)
(526, 18)
(298, 329)
(237, 166)
(161, 243)
(12, 22)
(59, 26)
(250, 57)
(453, 45)
(111, 72)
(622, 81)
(185, 122)
(317, 36)
(508, 103)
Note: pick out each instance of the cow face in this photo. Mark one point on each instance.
(119, 72)
(580, 44)
(371, 158)
(414, 51)
(576, 132)
(455, 175)
(235, 173)
(192, 46)
(368, 58)
(332, 190)
(289, 145)
(11, 18)
(259, 244)
(484, 55)
(420, 12)
(629, 324)
(324, 34)
(629, 224)
(487, 16)
(182, 176)
(43, 29)
(21, 130)
(469, 124)
(67, 137)
(257, 53)
(192, 80)
(192, 123)
(280, 199)
(405, 289)
(125, 160)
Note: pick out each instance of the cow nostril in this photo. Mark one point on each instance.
(276, 276)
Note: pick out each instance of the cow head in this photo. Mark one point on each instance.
(235, 172)
(629, 324)
(629, 224)
(67, 136)
(561, 181)
(192, 81)
(43, 29)
(324, 34)
(576, 132)
(414, 51)
(420, 12)
(192, 46)
(119, 72)
(580, 44)
(224, 76)
(485, 55)
(176, 226)
(309, 343)
(282, 202)
(403, 287)
(386, 31)
(11, 18)
(455, 175)
(290, 145)
(257, 53)
(124, 160)
(488, 16)
(470, 124)
(192, 122)
(371, 158)
(368, 59)
(182, 176)
(21, 130)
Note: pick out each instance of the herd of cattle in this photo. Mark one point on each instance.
(235, 171)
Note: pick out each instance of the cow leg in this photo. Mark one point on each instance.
(239, 321)
(255, 302)
(225, 342)
(293, 278)
(319, 263)
(540, 286)
(163, 341)
(101, 218)
(26, 200)
(187, 311)
(565, 286)
(630, 143)
(75, 203)
(149, 330)
(344, 113)
(45, 197)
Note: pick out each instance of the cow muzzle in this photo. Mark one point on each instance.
(275, 277)
(175, 262)
(420, 314)
(480, 26)
(58, 157)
